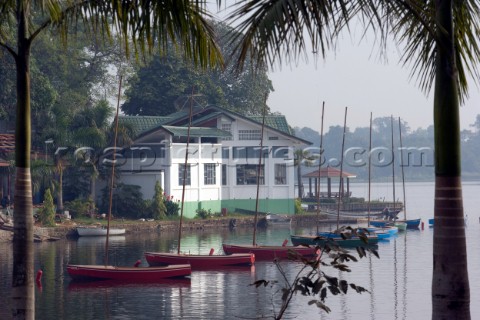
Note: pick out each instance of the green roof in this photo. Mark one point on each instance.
(178, 123)
(140, 124)
(197, 132)
(275, 121)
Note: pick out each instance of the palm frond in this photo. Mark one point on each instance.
(420, 44)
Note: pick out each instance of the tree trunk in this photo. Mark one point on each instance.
(60, 187)
(23, 294)
(299, 179)
(450, 286)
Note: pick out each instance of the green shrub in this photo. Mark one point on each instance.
(172, 207)
(158, 209)
(203, 213)
(80, 207)
(127, 202)
(298, 206)
(47, 213)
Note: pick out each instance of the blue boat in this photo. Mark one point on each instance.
(334, 239)
(379, 232)
(380, 223)
(411, 223)
(430, 222)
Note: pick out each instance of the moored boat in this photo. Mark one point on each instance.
(98, 231)
(411, 223)
(277, 219)
(270, 252)
(200, 261)
(353, 241)
(402, 226)
(101, 272)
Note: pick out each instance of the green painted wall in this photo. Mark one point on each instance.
(281, 206)
(190, 208)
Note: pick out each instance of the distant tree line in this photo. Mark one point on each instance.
(418, 150)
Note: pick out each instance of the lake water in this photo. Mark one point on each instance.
(399, 282)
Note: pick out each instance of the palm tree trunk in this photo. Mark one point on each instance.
(23, 294)
(299, 179)
(450, 286)
(60, 188)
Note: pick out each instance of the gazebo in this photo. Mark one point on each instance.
(329, 173)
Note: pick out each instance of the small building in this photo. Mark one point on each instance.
(343, 178)
(223, 160)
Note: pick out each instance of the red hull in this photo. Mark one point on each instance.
(200, 261)
(98, 272)
(269, 252)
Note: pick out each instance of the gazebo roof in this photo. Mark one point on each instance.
(329, 172)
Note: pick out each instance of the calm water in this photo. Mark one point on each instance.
(399, 281)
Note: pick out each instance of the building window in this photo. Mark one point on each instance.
(224, 174)
(249, 134)
(247, 174)
(249, 153)
(209, 176)
(280, 152)
(280, 173)
(226, 153)
(181, 168)
(227, 127)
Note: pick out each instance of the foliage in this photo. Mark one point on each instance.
(80, 207)
(127, 201)
(47, 213)
(158, 209)
(158, 86)
(298, 206)
(203, 213)
(173, 207)
(312, 279)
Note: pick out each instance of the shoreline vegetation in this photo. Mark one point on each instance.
(67, 228)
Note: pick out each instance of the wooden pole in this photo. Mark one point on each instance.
(341, 170)
(320, 166)
(258, 173)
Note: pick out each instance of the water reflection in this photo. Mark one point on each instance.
(400, 281)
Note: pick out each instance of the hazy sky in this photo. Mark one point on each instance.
(355, 77)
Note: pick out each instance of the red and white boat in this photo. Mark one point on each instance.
(270, 252)
(101, 272)
(200, 261)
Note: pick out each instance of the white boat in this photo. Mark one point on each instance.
(98, 231)
(273, 219)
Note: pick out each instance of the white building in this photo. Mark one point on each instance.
(223, 160)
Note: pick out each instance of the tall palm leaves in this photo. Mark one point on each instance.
(146, 22)
(440, 38)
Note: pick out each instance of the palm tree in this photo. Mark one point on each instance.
(91, 128)
(440, 38)
(146, 22)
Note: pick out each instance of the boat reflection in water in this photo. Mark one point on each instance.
(94, 286)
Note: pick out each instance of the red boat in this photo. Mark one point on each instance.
(101, 272)
(269, 252)
(200, 261)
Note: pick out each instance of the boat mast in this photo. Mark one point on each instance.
(319, 165)
(341, 170)
(112, 178)
(393, 167)
(185, 172)
(369, 169)
(258, 172)
(401, 165)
